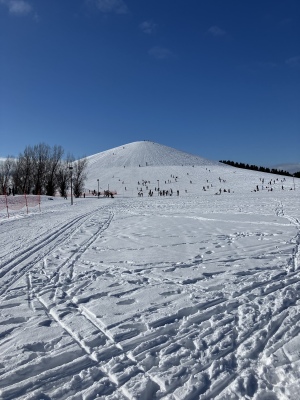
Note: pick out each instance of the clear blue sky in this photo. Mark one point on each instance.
(216, 78)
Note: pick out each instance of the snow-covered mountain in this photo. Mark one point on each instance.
(126, 165)
(145, 153)
(124, 169)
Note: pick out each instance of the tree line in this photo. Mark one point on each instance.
(41, 169)
(261, 169)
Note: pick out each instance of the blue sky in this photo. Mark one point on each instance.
(216, 78)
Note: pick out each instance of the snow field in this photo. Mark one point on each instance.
(175, 298)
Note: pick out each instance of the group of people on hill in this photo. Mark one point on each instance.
(169, 192)
(271, 185)
(144, 186)
(160, 192)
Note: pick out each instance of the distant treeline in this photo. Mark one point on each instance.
(41, 169)
(261, 169)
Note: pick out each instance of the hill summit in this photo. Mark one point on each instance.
(145, 153)
(124, 168)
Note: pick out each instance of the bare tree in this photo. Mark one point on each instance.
(16, 178)
(40, 170)
(52, 168)
(63, 175)
(22, 176)
(36, 169)
(6, 171)
(40, 159)
(79, 176)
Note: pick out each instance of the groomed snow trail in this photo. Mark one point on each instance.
(174, 299)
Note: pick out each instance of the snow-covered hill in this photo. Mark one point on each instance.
(126, 168)
(126, 165)
(185, 297)
(145, 153)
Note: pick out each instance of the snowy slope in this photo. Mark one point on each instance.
(125, 168)
(144, 153)
(137, 161)
(183, 297)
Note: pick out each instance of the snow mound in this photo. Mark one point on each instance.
(145, 153)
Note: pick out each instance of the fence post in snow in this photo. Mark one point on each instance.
(26, 202)
(6, 204)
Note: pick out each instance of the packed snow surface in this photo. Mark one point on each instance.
(178, 297)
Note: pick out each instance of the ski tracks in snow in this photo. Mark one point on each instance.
(235, 342)
(13, 269)
(41, 274)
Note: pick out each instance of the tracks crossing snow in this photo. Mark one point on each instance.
(162, 329)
